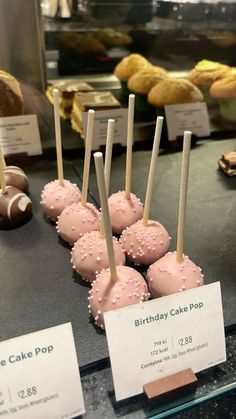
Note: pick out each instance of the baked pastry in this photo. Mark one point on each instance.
(90, 100)
(140, 84)
(67, 90)
(224, 91)
(228, 163)
(207, 72)
(11, 99)
(113, 38)
(130, 65)
(173, 91)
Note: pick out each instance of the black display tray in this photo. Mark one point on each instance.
(38, 286)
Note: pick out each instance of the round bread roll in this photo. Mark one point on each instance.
(207, 72)
(11, 100)
(142, 81)
(172, 91)
(130, 65)
(224, 88)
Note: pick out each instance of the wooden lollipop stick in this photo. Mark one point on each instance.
(130, 128)
(105, 212)
(2, 177)
(58, 136)
(88, 147)
(109, 144)
(107, 169)
(155, 151)
(183, 195)
(3, 162)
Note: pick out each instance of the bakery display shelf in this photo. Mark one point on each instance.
(212, 383)
(40, 290)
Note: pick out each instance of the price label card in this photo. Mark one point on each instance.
(188, 116)
(20, 134)
(100, 126)
(39, 376)
(160, 337)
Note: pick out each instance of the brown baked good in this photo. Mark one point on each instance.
(228, 163)
(67, 90)
(207, 72)
(173, 91)
(11, 99)
(113, 38)
(142, 81)
(90, 100)
(224, 88)
(130, 65)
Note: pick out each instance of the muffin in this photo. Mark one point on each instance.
(172, 91)
(140, 84)
(129, 66)
(224, 91)
(205, 73)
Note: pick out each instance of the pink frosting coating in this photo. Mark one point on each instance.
(124, 212)
(129, 288)
(76, 220)
(89, 255)
(55, 197)
(145, 244)
(167, 276)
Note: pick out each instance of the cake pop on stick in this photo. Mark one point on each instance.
(176, 272)
(116, 286)
(89, 254)
(147, 240)
(58, 194)
(15, 176)
(15, 205)
(81, 217)
(124, 207)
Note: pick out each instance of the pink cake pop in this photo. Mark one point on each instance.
(147, 240)
(117, 286)
(76, 220)
(106, 294)
(145, 244)
(89, 254)
(168, 276)
(81, 217)
(176, 272)
(124, 207)
(58, 194)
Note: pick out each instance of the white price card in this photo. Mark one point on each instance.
(100, 126)
(20, 134)
(163, 336)
(187, 116)
(39, 376)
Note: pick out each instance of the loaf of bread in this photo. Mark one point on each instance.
(11, 99)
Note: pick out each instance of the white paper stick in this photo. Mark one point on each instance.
(2, 177)
(57, 123)
(108, 156)
(183, 194)
(105, 212)
(155, 151)
(3, 162)
(88, 147)
(130, 129)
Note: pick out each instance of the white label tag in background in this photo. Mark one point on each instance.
(160, 337)
(39, 376)
(185, 117)
(20, 134)
(100, 126)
